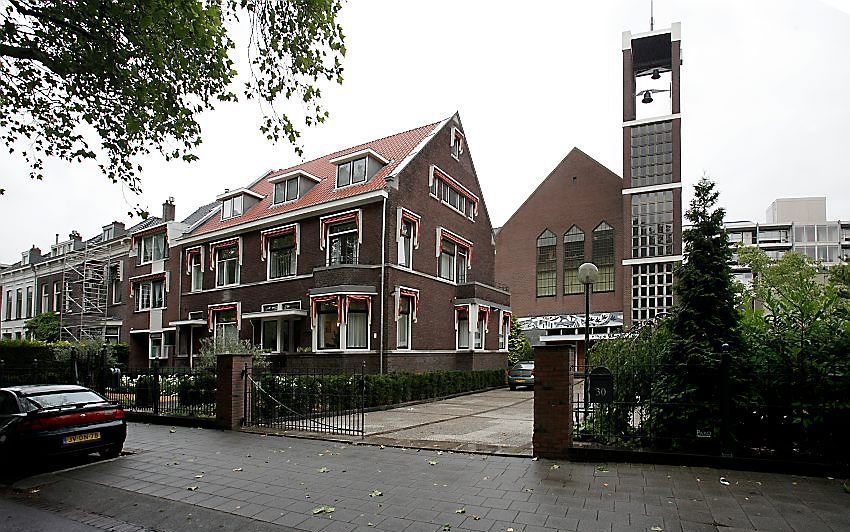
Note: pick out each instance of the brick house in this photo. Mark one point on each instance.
(380, 253)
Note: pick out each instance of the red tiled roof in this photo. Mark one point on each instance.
(394, 148)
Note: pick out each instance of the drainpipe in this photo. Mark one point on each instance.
(383, 274)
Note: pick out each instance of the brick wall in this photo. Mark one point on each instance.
(579, 191)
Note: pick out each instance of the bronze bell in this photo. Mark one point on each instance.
(656, 74)
(647, 97)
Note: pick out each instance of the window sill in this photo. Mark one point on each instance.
(282, 277)
(226, 285)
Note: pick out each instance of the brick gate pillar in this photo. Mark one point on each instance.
(553, 377)
(230, 389)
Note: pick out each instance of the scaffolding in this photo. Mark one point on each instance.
(85, 289)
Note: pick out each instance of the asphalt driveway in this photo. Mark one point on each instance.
(496, 421)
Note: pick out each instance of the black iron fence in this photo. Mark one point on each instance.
(311, 401)
(166, 391)
(761, 413)
(162, 391)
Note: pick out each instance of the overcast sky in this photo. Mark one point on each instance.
(765, 91)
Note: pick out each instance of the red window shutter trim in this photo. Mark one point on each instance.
(189, 253)
(265, 236)
(214, 247)
(327, 222)
(221, 308)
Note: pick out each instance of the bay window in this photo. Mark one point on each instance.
(462, 328)
(342, 243)
(269, 332)
(328, 324)
(357, 325)
(227, 266)
(479, 330)
(281, 256)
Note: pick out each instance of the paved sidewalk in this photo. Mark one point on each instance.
(284, 480)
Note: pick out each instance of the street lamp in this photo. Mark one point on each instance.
(587, 275)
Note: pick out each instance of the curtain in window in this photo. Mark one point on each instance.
(358, 330)
(447, 261)
(282, 255)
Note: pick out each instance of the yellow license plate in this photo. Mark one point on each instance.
(81, 438)
(520, 380)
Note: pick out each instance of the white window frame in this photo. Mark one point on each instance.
(285, 186)
(504, 330)
(294, 271)
(107, 338)
(457, 136)
(138, 292)
(402, 254)
(45, 297)
(196, 273)
(406, 319)
(229, 205)
(469, 333)
(57, 296)
(224, 325)
(115, 284)
(350, 164)
(329, 236)
(277, 328)
(219, 265)
(480, 332)
(146, 243)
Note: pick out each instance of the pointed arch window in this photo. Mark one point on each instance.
(547, 275)
(573, 257)
(603, 257)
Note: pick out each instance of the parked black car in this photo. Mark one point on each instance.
(521, 374)
(59, 420)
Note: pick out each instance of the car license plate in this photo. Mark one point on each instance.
(81, 438)
(520, 380)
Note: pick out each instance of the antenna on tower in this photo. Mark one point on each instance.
(651, 15)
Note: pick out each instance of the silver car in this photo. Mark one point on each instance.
(521, 374)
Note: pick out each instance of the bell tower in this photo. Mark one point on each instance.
(652, 170)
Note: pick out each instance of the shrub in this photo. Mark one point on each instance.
(198, 389)
(144, 391)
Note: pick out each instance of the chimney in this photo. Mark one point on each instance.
(119, 227)
(34, 255)
(168, 210)
(75, 235)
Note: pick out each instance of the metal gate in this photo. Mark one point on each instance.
(309, 401)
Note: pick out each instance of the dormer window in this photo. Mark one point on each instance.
(291, 185)
(236, 202)
(286, 190)
(108, 233)
(358, 167)
(231, 207)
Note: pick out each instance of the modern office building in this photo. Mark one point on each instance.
(794, 225)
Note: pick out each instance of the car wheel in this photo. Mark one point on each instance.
(113, 451)
(512, 387)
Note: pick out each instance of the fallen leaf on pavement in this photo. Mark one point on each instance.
(447, 527)
(237, 469)
(724, 481)
(433, 462)
(376, 493)
(192, 488)
(602, 469)
(199, 476)
(476, 517)
(323, 470)
(656, 529)
(172, 431)
(555, 466)
(324, 509)
(460, 510)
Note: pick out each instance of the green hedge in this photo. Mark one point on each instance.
(314, 394)
(21, 353)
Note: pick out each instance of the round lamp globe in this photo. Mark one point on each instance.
(588, 273)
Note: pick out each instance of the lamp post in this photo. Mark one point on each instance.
(587, 275)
